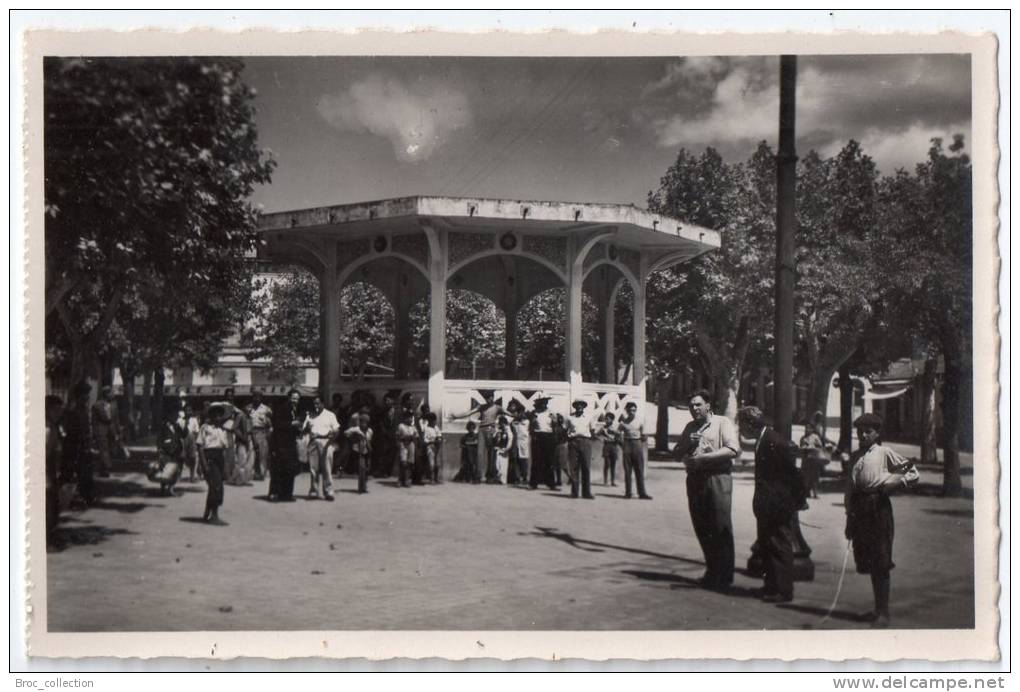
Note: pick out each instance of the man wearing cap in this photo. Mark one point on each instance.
(876, 471)
(707, 447)
(580, 431)
(779, 492)
(261, 433)
(543, 452)
(106, 429)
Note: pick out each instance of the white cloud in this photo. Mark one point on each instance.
(893, 112)
(416, 117)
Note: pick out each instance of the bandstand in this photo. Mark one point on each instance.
(416, 248)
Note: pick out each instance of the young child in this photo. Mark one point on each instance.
(213, 442)
(406, 435)
(610, 449)
(876, 471)
(360, 437)
(468, 455)
(812, 459)
(502, 441)
(431, 438)
(167, 470)
(520, 456)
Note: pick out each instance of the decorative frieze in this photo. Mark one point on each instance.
(553, 250)
(414, 246)
(464, 245)
(347, 251)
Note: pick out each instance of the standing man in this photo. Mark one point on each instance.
(261, 433)
(322, 428)
(543, 453)
(778, 494)
(80, 448)
(632, 434)
(707, 447)
(488, 413)
(286, 460)
(876, 472)
(580, 430)
(106, 429)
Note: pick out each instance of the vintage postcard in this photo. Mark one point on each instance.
(551, 346)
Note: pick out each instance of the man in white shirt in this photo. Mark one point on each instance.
(322, 427)
(261, 431)
(580, 430)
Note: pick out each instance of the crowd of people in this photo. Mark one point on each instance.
(230, 443)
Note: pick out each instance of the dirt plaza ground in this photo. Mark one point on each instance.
(483, 557)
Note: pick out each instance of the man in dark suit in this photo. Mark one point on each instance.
(778, 494)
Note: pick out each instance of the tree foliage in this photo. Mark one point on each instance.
(149, 164)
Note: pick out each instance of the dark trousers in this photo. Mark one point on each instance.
(710, 498)
(214, 477)
(85, 472)
(364, 461)
(634, 462)
(543, 459)
(775, 543)
(580, 466)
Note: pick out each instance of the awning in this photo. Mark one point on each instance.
(883, 393)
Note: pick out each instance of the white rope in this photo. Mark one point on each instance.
(839, 585)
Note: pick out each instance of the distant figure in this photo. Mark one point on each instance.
(261, 417)
(55, 439)
(707, 447)
(876, 471)
(431, 439)
(610, 449)
(580, 430)
(166, 470)
(213, 443)
(359, 437)
(488, 412)
(632, 438)
(285, 463)
(520, 453)
(406, 436)
(239, 457)
(543, 452)
(501, 444)
(106, 429)
(778, 495)
(321, 427)
(812, 459)
(80, 448)
(468, 456)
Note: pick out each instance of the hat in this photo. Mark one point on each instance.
(580, 401)
(82, 388)
(870, 420)
(541, 396)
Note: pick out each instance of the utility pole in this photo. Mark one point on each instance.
(786, 244)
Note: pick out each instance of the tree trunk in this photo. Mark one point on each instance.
(127, 376)
(929, 443)
(726, 394)
(846, 410)
(818, 397)
(158, 382)
(663, 392)
(146, 413)
(952, 484)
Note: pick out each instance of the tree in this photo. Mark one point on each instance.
(149, 164)
(837, 285)
(282, 325)
(724, 295)
(927, 259)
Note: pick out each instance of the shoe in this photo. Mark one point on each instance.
(881, 622)
(776, 598)
(645, 497)
(329, 498)
(312, 495)
(588, 497)
(628, 496)
(216, 521)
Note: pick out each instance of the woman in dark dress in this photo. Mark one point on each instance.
(285, 465)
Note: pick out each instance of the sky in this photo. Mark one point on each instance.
(354, 129)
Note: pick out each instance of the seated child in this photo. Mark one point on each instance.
(167, 470)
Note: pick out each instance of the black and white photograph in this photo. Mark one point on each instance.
(398, 342)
